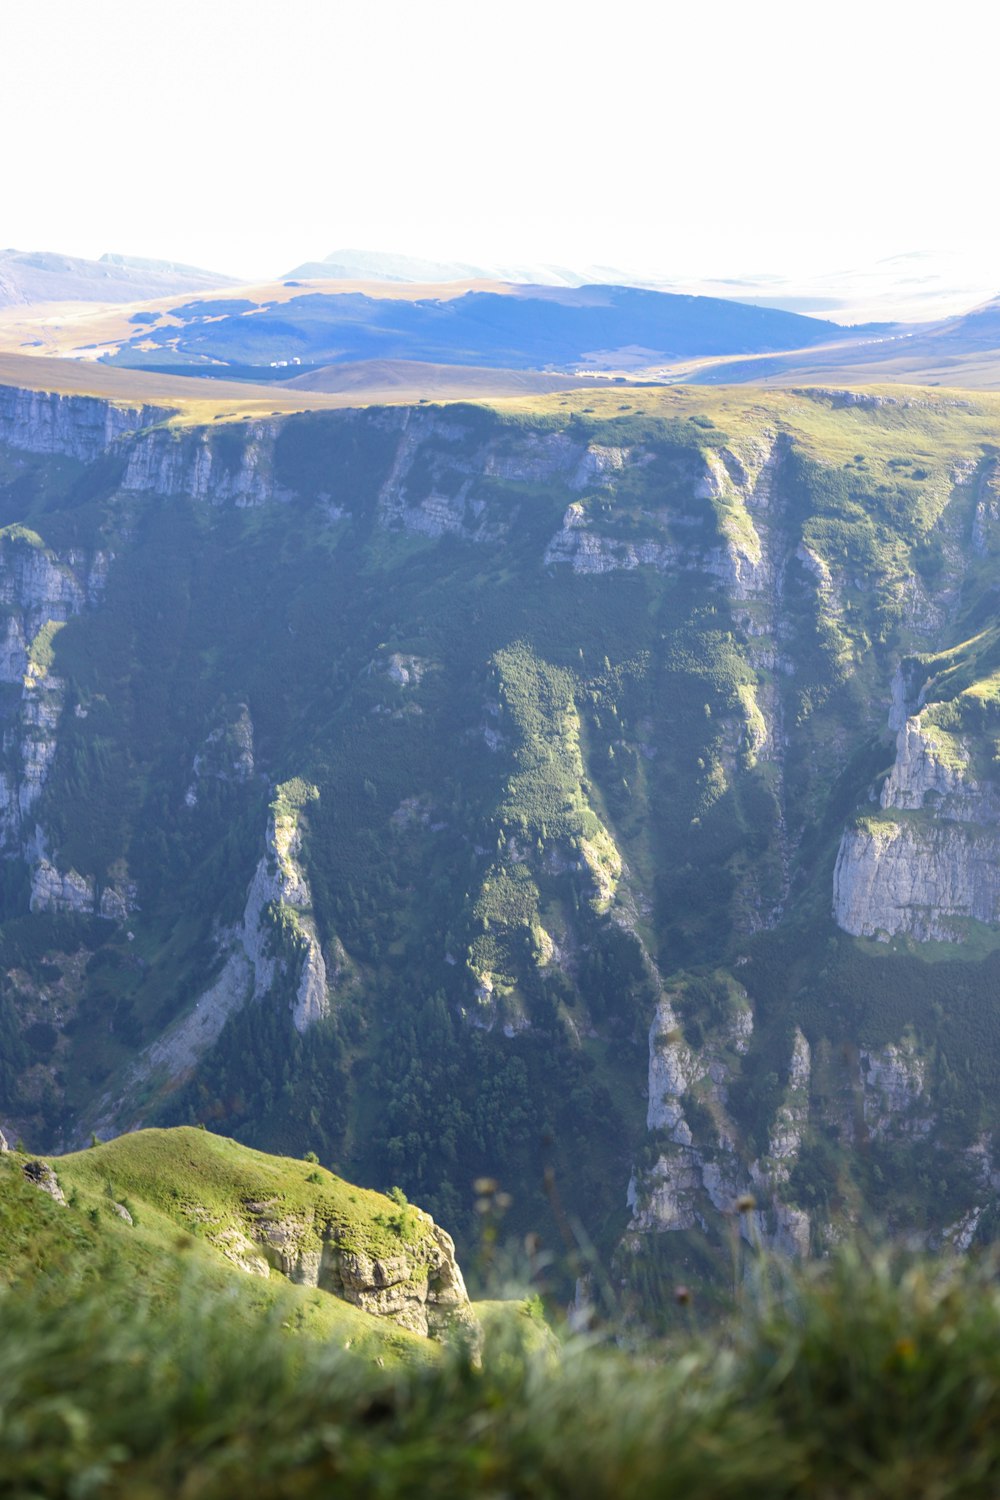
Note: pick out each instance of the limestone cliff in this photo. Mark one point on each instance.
(80, 427)
(931, 860)
(274, 949)
(417, 1282)
(229, 469)
(40, 590)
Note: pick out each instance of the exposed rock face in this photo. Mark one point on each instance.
(929, 766)
(893, 1081)
(3, 1143)
(922, 874)
(915, 879)
(81, 427)
(226, 755)
(279, 884)
(588, 551)
(692, 1180)
(42, 1176)
(688, 1180)
(405, 671)
(781, 1224)
(740, 485)
(65, 891)
(541, 457)
(419, 1285)
(672, 1070)
(280, 881)
(201, 466)
(54, 891)
(39, 591)
(444, 502)
(277, 934)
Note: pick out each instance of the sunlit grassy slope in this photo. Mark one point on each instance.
(186, 1191)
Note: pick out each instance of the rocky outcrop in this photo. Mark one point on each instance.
(41, 1175)
(227, 753)
(589, 551)
(446, 495)
(740, 485)
(672, 1070)
(417, 1283)
(277, 930)
(276, 938)
(81, 427)
(778, 1223)
(694, 1180)
(52, 890)
(39, 590)
(893, 1083)
(38, 585)
(931, 768)
(932, 860)
(232, 466)
(69, 891)
(439, 500)
(922, 879)
(690, 1181)
(280, 890)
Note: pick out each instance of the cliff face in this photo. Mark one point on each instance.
(79, 427)
(202, 466)
(40, 590)
(417, 758)
(700, 1182)
(922, 880)
(931, 861)
(418, 1284)
(272, 956)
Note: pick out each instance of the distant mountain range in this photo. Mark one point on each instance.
(912, 286)
(522, 327)
(380, 265)
(415, 318)
(44, 276)
(962, 352)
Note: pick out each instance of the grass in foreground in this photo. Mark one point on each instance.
(869, 1375)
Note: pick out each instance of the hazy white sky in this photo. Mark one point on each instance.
(246, 136)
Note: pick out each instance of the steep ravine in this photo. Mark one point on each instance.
(564, 724)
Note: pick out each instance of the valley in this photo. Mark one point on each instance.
(593, 788)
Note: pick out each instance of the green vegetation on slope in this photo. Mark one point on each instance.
(865, 1376)
(557, 777)
(195, 1199)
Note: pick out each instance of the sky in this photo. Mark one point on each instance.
(727, 139)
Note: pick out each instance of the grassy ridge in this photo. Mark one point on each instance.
(186, 1192)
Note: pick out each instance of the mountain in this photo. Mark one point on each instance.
(533, 327)
(44, 276)
(962, 352)
(912, 286)
(380, 265)
(596, 794)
